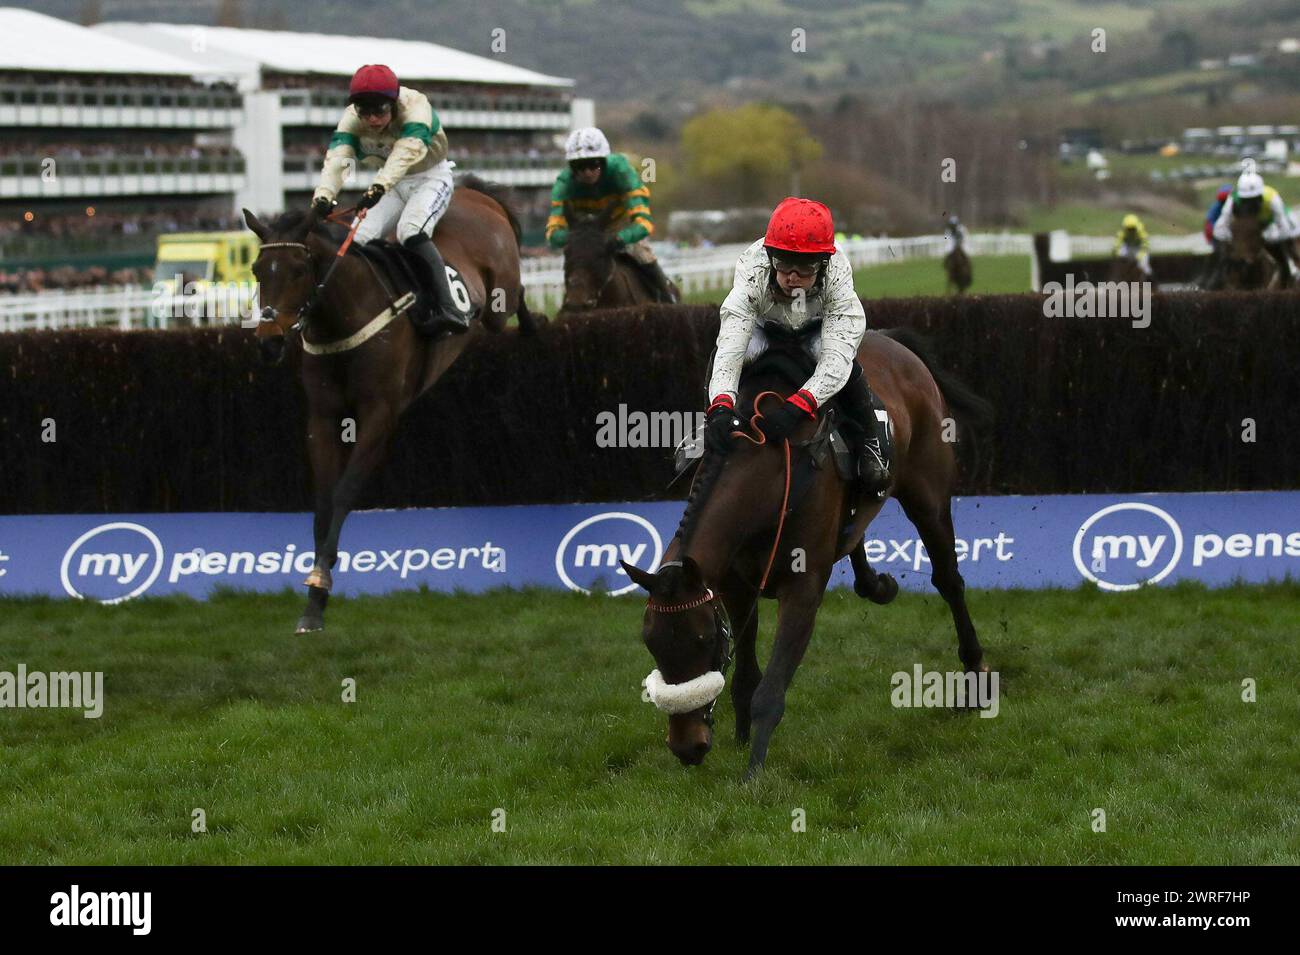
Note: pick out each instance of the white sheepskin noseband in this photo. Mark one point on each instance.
(684, 697)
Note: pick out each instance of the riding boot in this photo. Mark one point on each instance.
(660, 284)
(442, 318)
(876, 446)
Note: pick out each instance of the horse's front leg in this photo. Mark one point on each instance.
(374, 430)
(741, 602)
(796, 614)
(325, 449)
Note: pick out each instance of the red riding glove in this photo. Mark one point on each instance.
(800, 406)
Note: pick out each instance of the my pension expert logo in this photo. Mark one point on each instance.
(112, 562)
(588, 555)
(1128, 545)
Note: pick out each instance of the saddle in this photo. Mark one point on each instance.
(400, 270)
(786, 362)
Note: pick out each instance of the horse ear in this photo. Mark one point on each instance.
(640, 577)
(255, 224)
(607, 214)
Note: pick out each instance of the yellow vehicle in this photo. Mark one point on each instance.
(211, 271)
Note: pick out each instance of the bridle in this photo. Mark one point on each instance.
(269, 313)
(609, 277)
(305, 310)
(722, 645)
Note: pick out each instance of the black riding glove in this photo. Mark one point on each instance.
(613, 245)
(719, 424)
(322, 206)
(781, 422)
(370, 196)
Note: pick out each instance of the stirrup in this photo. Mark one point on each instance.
(436, 323)
(873, 469)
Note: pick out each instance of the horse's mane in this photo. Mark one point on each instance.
(586, 240)
(292, 221)
(783, 367)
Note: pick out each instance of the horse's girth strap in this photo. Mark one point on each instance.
(365, 333)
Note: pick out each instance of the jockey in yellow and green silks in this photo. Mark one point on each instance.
(597, 182)
(1132, 242)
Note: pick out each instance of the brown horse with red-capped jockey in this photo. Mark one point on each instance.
(362, 358)
(762, 518)
(380, 322)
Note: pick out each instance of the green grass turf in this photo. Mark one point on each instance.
(991, 275)
(530, 702)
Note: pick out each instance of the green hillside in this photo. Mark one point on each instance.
(627, 49)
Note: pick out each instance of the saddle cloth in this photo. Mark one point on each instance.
(402, 270)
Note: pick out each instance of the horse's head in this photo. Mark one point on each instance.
(588, 264)
(286, 275)
(1247, 231)
(687, 632)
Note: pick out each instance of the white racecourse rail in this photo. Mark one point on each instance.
(693, 269)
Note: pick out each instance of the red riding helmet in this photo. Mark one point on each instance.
(801, 225)
(374, 79)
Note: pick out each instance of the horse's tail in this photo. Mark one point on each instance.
(498, 194)
(975, 413)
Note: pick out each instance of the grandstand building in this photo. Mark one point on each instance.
(101, 146)
(113, 134)
(503, 122)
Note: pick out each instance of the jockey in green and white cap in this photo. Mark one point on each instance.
(598, 181)
(1279, 224)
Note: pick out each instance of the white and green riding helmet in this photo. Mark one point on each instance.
(586, 143)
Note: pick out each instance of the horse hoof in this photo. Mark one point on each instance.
(886, 590)
(320, 578)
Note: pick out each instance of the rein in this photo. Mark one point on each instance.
(307, 306)
(785, 499)
(368, 331)
(709, 683)
(613, 270)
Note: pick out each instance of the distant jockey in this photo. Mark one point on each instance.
(954, 236)
(596, 180)
(1216, 207)
(1132, 242)
(1278, 225)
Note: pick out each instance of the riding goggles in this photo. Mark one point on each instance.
(366, 109)
(582, 165)
(802, 267)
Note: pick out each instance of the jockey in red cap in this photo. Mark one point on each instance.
(794, 281)
(393, 129)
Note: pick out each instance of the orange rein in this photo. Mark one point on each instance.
(785, 499)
